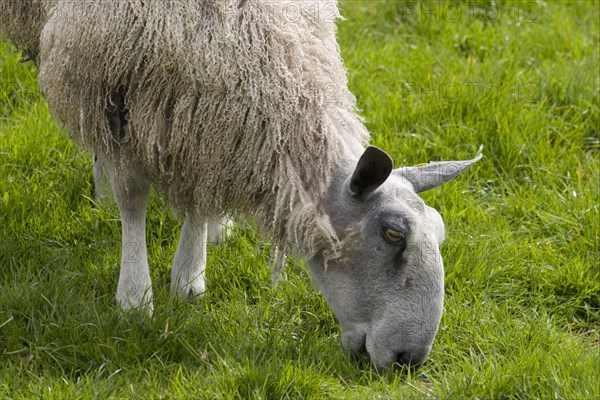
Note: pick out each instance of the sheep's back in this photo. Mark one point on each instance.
(216, 94)
(21, 21)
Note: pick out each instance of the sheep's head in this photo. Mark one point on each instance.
(387, 287)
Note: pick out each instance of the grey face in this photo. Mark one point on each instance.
(387, 288)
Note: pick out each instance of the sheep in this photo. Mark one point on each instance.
(241, 107)
(22, 21)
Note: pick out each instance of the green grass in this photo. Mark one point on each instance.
(434, 81)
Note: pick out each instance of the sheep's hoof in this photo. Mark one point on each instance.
(144, 305)
(189, 291)
(132, 296)
(192, 293)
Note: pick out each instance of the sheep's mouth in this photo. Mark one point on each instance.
(362, 350)
(403, 362)
(359, 353)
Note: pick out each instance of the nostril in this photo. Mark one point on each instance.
(408, 359)
(403, 358)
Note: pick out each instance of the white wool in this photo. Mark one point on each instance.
(232, 107)
(21, 21)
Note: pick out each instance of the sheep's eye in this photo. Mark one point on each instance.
(393, 236)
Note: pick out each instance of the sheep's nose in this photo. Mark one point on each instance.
(411, 359)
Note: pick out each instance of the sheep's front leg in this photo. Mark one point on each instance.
(189, 264)
(131, 191)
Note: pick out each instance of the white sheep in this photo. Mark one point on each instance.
(241, 107)
(22, 21)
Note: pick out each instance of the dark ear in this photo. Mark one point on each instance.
(372, 170)
(434, 174)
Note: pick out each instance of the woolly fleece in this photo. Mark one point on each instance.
(229, 107)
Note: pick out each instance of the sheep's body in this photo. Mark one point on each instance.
(241, 107)
(22, 21)
(227, 107)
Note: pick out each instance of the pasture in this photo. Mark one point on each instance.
(434, 80)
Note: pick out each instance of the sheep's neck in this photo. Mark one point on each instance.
(301, 221)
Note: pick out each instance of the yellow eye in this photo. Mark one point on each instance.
(393, 236)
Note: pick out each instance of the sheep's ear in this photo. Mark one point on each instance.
(428, 176)
(373, 168)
